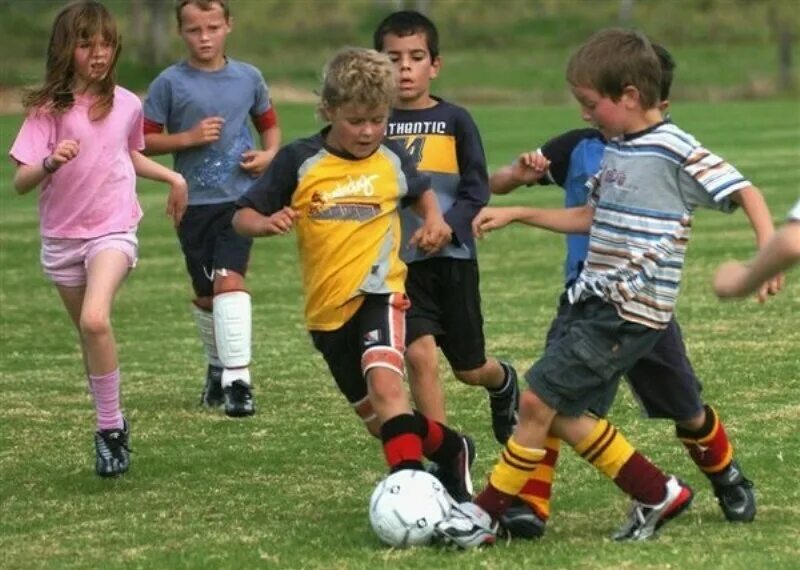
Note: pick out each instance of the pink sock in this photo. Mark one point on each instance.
(106, 400)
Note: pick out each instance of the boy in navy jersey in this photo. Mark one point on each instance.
(444, 143)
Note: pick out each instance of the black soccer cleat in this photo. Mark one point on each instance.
(520, 520)
(456, 477)
(734, 493)
(213, 396)
(239, 400)
(112, 451)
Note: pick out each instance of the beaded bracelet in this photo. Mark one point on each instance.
(48, 166)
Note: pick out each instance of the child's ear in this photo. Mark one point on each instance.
(436, 66)
(631, 96)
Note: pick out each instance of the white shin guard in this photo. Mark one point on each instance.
(205, 329)
(233, 329)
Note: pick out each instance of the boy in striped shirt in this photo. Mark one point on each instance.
(639, 217)
(663, 382)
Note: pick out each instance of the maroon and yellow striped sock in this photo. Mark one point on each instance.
(508, 477)
(609, 452)
(538, 488)
(709, 447)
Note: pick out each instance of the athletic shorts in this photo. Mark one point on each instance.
(582, 364)
(66, 261)
(446, 303)
(663, 381)
(209, 243)
(379, 321)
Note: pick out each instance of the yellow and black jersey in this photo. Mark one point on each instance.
(444, 143)
(348, 228)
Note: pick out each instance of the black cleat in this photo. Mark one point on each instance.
(212, 396)
(456, 478)
(734, 493)
(239, 400)
(112, 451)
(520, 520)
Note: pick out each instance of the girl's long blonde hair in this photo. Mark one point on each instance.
(80, 21)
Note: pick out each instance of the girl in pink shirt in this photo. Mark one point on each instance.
(81, 142)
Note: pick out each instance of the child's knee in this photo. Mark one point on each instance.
(94, 324)
(226, 280)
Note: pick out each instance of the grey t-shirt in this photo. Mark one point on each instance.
(182, 95)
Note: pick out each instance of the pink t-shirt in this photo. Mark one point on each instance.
(95, 193)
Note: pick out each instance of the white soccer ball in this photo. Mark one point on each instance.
(406, 505)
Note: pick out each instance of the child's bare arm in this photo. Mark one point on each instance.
(206, 131)
(252, 223)
(561, 220)
(736, 279)
(178, 196)
(28, 176)
(434, 233)
(256, 161)
(528, 168)
(755, 208)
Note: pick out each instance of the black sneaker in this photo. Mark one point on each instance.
(520, 520)
(212, 396)
(238, 400)
(505, 407)
(456, 478)
(112, 451)
(734, 493)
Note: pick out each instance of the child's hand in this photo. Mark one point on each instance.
(279, 223)
(206, 131)
(529, 167)
(432, 236)
(769, 288)
(729, 278)
(65, 151)
(254, 162)
(177, 199)
(490, 219)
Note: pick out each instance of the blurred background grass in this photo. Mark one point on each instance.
(506, 51)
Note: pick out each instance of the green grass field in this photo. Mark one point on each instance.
(289, 487)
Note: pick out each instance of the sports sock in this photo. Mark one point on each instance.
(709, 447)
(106, 400)
(439, 443)
(402, 442)
(610, 453)
(538, 488)
(508, 477)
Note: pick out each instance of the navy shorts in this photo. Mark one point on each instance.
(379, 321)
(209, 242)
(446, 303)
(584, 360)
(662, 381)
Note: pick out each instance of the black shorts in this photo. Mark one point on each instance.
(446, 303)
(209, 242)
(662, 381)
(584, 360)
(379, 321)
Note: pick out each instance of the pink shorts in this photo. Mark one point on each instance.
(65, 261)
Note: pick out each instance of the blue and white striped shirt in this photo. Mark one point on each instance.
(644, 196)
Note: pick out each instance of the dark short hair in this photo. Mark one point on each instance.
(668, 66)
(203, 5)
(407, 23)
(614, 59)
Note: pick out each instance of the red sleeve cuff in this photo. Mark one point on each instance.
(151, 127)
(266, 120)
